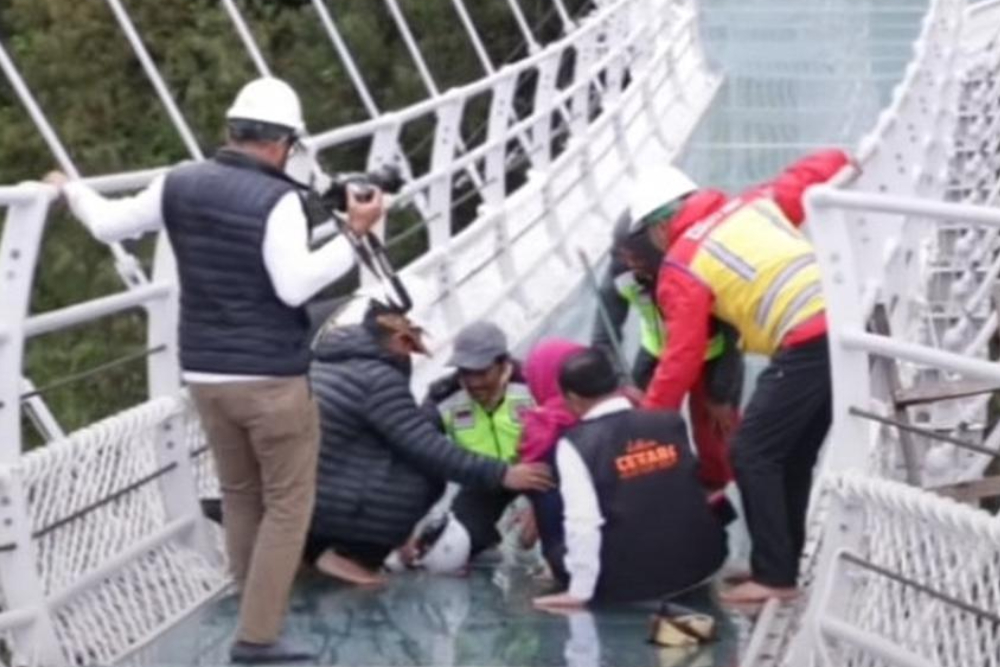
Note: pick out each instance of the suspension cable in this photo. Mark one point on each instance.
(249, 43)
(153, 74)
(346, 57)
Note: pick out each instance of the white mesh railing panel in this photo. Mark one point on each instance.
(915, 570)
(114, 567)
(72, 478)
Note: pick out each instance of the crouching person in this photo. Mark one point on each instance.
(382, 463)
(637, 521)
(479, 407)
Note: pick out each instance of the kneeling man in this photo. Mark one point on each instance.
(637, 522)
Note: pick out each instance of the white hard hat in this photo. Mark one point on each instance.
(655, 188)
(449, 552)
(268, 100)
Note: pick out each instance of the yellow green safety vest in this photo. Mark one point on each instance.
(652, 332)
(495, 435)
(762, 271)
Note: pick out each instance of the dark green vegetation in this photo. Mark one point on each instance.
(78, 63)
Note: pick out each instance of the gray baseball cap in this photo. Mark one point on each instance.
(478, 346)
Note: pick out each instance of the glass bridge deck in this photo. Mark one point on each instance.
(419, 619)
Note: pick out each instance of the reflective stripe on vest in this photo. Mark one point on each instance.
(652, 333)
(763, 273)
(494, 435)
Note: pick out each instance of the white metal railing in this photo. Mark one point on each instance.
(835, 218)
(71, 572)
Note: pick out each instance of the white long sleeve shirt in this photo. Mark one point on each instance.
(582, 518)
(296, 272)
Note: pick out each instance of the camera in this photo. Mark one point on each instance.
(387, 178)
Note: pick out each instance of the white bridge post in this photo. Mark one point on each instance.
(23, 590)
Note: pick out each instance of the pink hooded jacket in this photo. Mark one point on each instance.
(545, 424)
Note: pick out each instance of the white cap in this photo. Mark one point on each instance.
(269, 100)
(450, 551)
(654, 188)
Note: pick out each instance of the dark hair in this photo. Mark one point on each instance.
(378, 317)
(588, 373)
(241, 129)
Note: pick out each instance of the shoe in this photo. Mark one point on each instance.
(247, 653)
(676, 625)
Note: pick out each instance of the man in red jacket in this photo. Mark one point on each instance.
(745, 261)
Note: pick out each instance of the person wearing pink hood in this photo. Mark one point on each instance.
(544, 425)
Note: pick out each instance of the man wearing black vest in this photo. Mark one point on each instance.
(238, 228)
(637, 521)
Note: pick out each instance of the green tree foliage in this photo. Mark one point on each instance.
(78, 63)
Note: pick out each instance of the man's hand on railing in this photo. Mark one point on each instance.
(57, 179)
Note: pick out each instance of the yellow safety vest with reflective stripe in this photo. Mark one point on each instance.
(762, 271)
(495, 435)
(652, 336)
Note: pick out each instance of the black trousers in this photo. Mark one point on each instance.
(774, 452)
(479, 511)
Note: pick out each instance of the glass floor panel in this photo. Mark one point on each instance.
(422, 619)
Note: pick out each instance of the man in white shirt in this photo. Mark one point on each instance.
(637, 521)
(238, 228)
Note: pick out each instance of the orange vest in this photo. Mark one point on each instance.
(762, 271)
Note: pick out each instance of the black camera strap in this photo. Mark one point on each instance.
(369, 250)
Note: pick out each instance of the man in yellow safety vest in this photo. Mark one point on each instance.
(745, 262)
(630, 283)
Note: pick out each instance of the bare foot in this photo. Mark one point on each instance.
(751, 592)
(334, 565)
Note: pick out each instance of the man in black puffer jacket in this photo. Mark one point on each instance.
(382, 462)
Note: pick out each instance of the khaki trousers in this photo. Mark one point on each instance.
(264, 437)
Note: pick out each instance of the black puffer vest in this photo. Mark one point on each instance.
(232, 321)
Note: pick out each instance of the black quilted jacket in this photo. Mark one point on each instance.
(382, 463)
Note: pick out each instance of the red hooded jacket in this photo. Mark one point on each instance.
(686, 302)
